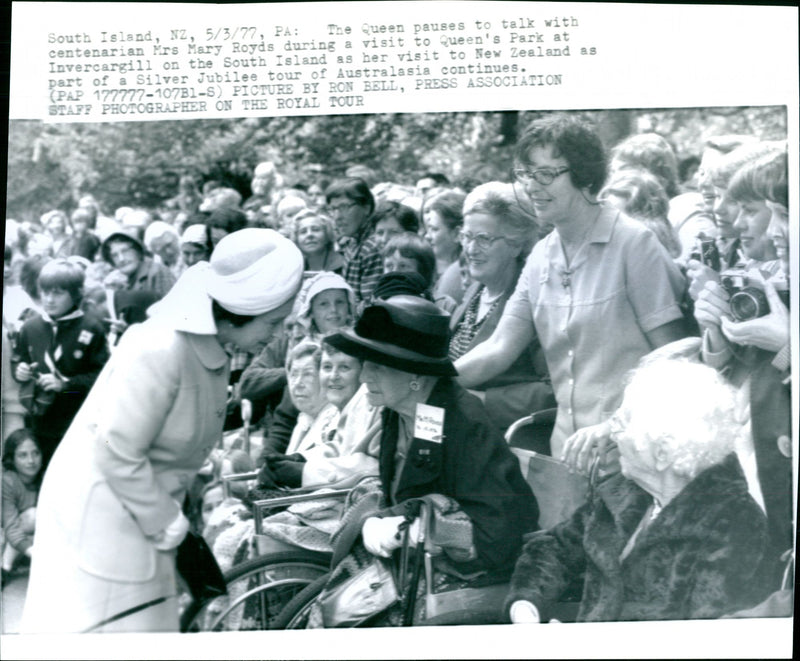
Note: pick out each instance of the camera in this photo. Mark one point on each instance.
(707, 253)
(746, 300)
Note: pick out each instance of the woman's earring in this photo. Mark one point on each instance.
(414, 384)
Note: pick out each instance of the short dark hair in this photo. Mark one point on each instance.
(413, 246)
(405, 216)
(353, 188)
(572, 139)
(221, 314)
(60, 273)
(227, 219)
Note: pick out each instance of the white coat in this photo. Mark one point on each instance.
(117, 478)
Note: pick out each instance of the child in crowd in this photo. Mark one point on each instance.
(84, 242)
(22, 472)
(58, 355)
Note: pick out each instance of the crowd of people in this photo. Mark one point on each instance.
(386, 336)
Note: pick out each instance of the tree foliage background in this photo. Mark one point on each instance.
(139, 163)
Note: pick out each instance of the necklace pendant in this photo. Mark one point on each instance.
(565, 279)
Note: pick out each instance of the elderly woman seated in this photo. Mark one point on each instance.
(334, 444)
(676, 535)
(322, 381)
(436, 445)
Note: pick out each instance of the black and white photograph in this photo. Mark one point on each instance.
(289, 345)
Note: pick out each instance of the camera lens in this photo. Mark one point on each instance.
(749, 303)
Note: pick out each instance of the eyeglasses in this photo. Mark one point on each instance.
(543, 176)
(481, 240)
(340, 208)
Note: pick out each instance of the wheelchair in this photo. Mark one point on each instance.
(276, 590)
(559, 493)
(259, 588)
(478, 603)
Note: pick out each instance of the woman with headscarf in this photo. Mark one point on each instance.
(134, 269)
(109, 515)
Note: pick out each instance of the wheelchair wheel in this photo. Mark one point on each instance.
(295, 613)
(257, 591)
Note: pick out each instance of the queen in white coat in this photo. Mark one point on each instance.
(109, 516)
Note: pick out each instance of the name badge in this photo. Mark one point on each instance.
(429, 423)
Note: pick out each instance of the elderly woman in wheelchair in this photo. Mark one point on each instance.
(275, 540)
(450, 489)
(676, 534)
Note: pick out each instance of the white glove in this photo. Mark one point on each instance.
(380, 535)
(173, 534)
(524, 612)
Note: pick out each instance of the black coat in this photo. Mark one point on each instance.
(472, 465)
(77, 346)
(700, 558)
(771, 420)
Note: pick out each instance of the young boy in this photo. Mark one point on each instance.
(58, 354)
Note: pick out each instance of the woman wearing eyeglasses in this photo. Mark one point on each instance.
(496, 238)
(599, 292)
(351, 205)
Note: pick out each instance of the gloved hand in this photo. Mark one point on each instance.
(173, 534)
(287, 470)
(381, 536)
(266, 478)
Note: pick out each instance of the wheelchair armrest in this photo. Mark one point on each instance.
(236, 477)
(293, 496)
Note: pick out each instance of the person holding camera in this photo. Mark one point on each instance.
(739, 217)
(746, 318)
(737, 294)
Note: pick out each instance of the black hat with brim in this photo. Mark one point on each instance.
(406, 333)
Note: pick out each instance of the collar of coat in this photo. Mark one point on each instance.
(209, 351)
(143, 272)
(714, 487)
(443, 395)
